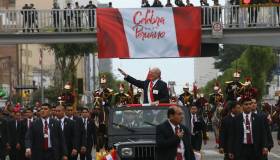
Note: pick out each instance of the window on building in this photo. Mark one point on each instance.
(7, 3)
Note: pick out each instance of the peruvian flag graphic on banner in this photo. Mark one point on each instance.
(149, 32)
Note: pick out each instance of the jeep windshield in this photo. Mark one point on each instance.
(140, 117)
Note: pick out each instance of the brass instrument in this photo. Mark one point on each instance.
(107, 92)
(218, 98)
(187, 99)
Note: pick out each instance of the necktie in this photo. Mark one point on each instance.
(151, 91)
(61, 123)
(46, 136)
(85, 124)
(28, 123)
(192, 122)
(248, 131)
(16, 124)
(179, 155)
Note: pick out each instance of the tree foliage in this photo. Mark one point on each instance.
(67, 58)
(228, 54)
(255, 62)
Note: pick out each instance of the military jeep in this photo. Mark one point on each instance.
(131, 131)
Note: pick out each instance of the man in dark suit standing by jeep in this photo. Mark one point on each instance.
(172, 138)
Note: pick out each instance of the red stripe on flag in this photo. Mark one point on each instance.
(111, 38)
(188, 30)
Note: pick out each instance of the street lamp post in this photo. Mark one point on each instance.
(42, 86)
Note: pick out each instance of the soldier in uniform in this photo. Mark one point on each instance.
(247, 90)
(233, 88)
(121, 98)
(186, 98)
(216, 97)
(105, 93)
(137, 96)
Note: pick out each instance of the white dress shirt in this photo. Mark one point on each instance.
(245, 129)
(49, 138)
(148, 90)
(62, 123)
(182, 147)
(193, 119)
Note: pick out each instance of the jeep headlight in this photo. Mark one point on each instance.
(126, 152)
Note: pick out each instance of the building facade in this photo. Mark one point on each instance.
(204, 70)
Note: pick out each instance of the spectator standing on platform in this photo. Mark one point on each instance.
(91, 12)
(234, 12)
(157, 3)
(68, 17)
(55, 14)
(168, 4)
(25, 14)
(179, 3)
(110, 5)
(145, 3)
(216, 11)
(78, 16)
(34, 18)
(205, 13)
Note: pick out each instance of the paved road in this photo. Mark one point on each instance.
(209, 152)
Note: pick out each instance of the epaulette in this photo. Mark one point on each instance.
(126, 94)
(227, 82)
(110, 90)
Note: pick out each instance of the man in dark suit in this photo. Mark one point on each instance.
(266, 121)
(3, 136)
(227, 129)
(249, 140)
(16, 137)
(44, 139)
(198, 129)
(155, 90)
(90, 134)
(79, 127)
(26, 124)
(70, 132)
(172, 138)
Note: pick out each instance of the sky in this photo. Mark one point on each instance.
(180, 70)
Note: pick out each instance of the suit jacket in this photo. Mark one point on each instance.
(81, 141)
(225, 130)
(90, 134)
(3, 136)
(70, 134)
(258, 131)
(167, 142)
(263, 116)
(199, 133)
(15, 134)
(160, 86)
(35, 138)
